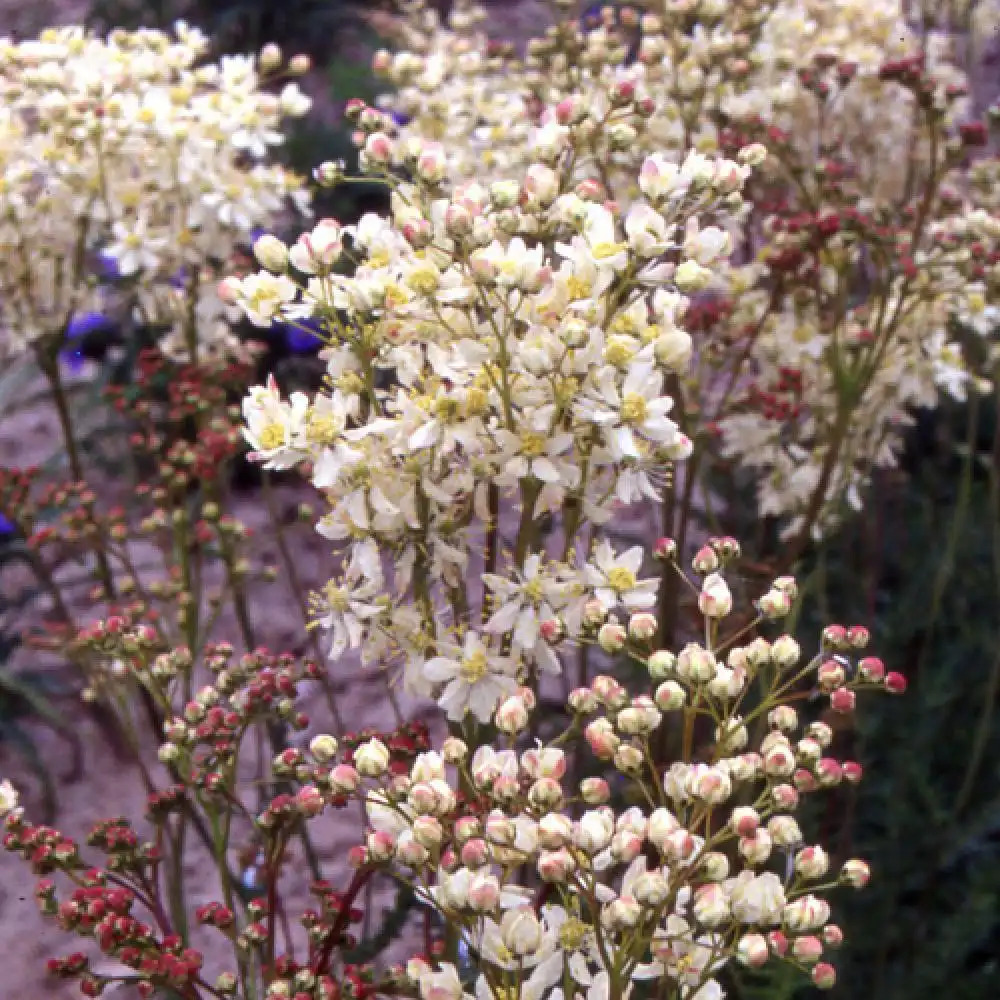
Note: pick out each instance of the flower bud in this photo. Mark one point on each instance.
(594, 791)
(715, 599)
(409, 851)
(833, 936)
(661, 664)
(895, 683)
(344, 779)
(774, 604)
(757, 847)
(622, 913)
(752, 950)
(323, 747)
(784, 831)
(744, 820)
(705, 560)
(484, 893)
(556, 866)
(807, 950)
(271, 253)
(855, 873)
(785, 652)
(665, 550)
(582, 701)
(711, 905)
(642, 626)
(454, 750)
(824, 976)
(806, 913)
(611, 638)
(511, 715)
(372, 758)
(670, 696)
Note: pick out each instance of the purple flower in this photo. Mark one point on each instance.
(107, 266)
(7, 526)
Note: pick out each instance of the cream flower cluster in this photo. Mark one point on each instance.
(132, 149)
(712, 867)
(829, 89)
(509, 342)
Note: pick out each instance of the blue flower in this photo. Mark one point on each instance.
(303, 341)
(7, 526)
(82, 326)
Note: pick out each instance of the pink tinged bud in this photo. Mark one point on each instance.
(626, 846)
(783, 718)
(628, 759)
(858, 636)
(752, 950)
(642, 626)
(757, 847)
(744, 820)
(622, 913)
(475, 853)
(711, 905)
(670, 696)
(601, 738)
(852, 771)
(785, 796)
(544, 762)
(582, 701)
(678, 846)
(835, 638)
(705, 560)
(778, 943)
(484, 893)
(556, 866)
(511, 715)
(806, 913)
(409, 852)
(595, 791)
(779, 761)
(229, 290)
(378, 147)
(344, 779)
(871, 669)
(594, 613)
(807, 950)
(830, 675)
(812, 862)
(855, 873)
(546, 793)
(552, 631)
(381, 846)
(665, 549)
(843, 701)
(824, 976)
(805, 781)
(833, 936)
(829, 772)
(895, 683)
(611, 638)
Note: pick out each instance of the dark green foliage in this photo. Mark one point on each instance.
(27, 697)
(922, 569)
(238, 25)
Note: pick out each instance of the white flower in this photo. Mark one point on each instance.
(263, 296)
(637, 407)
(615, 578)
(348, 604)
(9, 797)
(275, 428)
(475, 679)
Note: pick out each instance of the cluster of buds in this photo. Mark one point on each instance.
(544, 878)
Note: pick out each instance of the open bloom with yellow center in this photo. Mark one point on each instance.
(615, 579)
(474, 678)
(636, 407)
